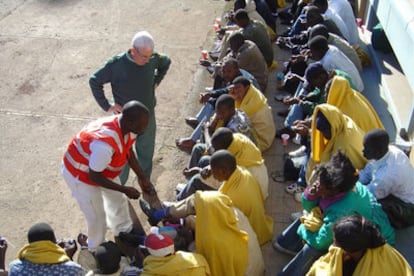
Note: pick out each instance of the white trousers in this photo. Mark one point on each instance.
(101, 207)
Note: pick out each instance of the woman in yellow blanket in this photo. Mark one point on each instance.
(353, 104)
(332, 131)
(359, 249)
(249, 99)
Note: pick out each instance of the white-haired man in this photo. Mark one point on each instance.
(134, 75)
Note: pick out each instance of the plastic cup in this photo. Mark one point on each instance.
(285, 139)
(204, 54)
(216, 27)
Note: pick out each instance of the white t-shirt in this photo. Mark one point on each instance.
(335, 59)
(393, 174)
(101, 155)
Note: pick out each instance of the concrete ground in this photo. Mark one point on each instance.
(48, 48)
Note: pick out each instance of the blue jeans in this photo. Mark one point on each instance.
(197, 155)
(306, 255)
(204, 115)
(192, 186)
(298, 26)
(296, 110)
(144, 148)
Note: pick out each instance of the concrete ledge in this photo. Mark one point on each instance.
(396, 72)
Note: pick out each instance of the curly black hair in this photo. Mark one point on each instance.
(338, 173)
(355, 233)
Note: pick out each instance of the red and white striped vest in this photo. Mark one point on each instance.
(108, 130)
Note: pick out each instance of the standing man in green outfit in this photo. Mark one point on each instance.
(134, 75)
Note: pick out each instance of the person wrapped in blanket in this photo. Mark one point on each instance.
(359, 249)
(335, 193)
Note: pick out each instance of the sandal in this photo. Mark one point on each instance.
(278, 176)
(294, 188)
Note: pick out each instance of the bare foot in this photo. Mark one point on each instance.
(191, 172)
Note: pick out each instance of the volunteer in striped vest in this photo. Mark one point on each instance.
(92, 165)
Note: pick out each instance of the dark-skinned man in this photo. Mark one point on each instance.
(91, 167)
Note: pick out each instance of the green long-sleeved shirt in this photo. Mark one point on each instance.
(128, 80)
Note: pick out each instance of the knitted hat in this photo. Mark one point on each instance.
(159, 245)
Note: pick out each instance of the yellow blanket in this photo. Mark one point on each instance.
(246, 195)
(43, 252)
(254, 104)
(353, 104)
(181, 263)
(245, 151)
(217, 236)
(345, 136)
(383, 260)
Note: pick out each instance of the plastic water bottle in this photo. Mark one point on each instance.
(280, 80)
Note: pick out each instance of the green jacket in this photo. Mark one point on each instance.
(358, 200)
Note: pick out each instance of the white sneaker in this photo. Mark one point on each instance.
(301, 151)
(180, 187)
(295, 216)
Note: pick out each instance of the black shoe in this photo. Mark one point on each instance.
(131, 239)
(146, 208)
(283, 113)
(214, 55)
(192, 122)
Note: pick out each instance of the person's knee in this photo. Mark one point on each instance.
(204, 161)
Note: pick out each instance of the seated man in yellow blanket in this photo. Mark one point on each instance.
(331, 131)
(246, 153)
(226, 114)
(249, 99)
(244, 150)
(43, 256)
(352, 103)
(227, 241)
(359, 249)
(239, 185)
(163, 260)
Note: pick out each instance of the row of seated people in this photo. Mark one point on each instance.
(226, 168)
(349, 166)
(327, 112)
